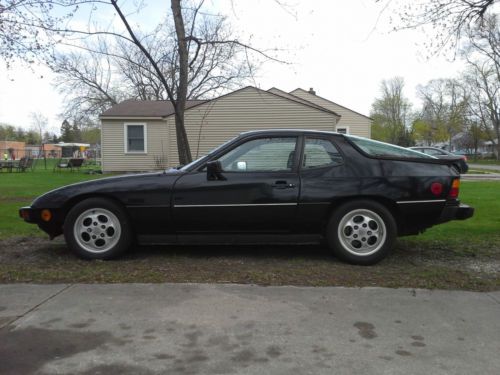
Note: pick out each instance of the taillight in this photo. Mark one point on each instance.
(465, 158)
(436, 188)
(455, 186)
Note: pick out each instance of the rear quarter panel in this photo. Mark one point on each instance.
(387, 181)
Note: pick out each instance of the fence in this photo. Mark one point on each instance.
(16, 154)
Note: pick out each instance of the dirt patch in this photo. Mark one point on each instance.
(116, 369)
(22, 200)
(366, 330)
(38, 260)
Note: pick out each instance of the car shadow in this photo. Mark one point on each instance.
(313, 252)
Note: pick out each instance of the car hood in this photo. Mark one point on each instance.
(114, 186)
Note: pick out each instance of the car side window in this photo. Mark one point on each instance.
(320, 152)
(261, 155)
(430, 151)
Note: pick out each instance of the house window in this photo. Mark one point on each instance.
(343, 130)
(135, 138)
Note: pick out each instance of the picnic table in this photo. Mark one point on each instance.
(70, 163)
(9, 165)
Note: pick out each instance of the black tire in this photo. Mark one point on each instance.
(107, 235)
(374, 235)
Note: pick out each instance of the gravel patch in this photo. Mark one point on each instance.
(38, 260)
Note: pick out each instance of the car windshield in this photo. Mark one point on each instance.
(376, 148)
(188, 166)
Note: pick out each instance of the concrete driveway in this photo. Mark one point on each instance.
(236, 329)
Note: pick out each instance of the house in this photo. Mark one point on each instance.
(50, 150)
(462, 143)
(12, 149)
(140, 135)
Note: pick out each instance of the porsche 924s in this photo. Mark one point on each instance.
(263, 186)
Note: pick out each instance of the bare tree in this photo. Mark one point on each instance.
(444, 106)
(448, 19)
(39, 124)
(33, 28)
(472, 138)
(86, 80)
(483, 43)
(484, 104)
(482, 77)
(391, 112)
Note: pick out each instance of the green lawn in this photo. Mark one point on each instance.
(484, 161)
(479, 234)
(19, 189)
(455, 255)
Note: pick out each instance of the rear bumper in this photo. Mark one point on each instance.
(460, 212)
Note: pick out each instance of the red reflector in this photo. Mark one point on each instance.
(436, 188)
(455, 187)
(25, 214)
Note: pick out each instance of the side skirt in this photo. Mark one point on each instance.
(230, 239)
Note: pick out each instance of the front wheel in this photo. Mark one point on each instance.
(97, 228)
(361, 232)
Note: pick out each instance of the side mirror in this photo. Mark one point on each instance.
(214, 171)
(241, 165)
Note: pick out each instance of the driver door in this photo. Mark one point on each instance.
(257, 190)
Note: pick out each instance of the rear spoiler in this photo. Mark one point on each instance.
(449, 162)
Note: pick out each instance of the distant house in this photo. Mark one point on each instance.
(50, 151)
(12, 149)
(463, 144)
(140, 135)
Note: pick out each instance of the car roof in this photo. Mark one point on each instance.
(289, 131)
(434, 148)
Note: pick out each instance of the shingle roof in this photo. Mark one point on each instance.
(300, 89)
(289, 96)
(145, 108)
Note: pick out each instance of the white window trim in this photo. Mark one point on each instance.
(342, 127)
(125, 136)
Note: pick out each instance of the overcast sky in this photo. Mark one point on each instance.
(343, 49)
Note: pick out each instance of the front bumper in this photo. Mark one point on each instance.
(460, 212)
(30, 215)
(52, 226)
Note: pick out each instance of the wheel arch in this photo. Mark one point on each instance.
(73, 210)
(70, 203)
(386, 202)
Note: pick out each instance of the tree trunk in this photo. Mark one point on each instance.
(180, 105)
(182, 140)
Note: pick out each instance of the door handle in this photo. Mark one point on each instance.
(281, 184)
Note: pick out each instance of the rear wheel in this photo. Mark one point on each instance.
(97, 228)
(361, 232)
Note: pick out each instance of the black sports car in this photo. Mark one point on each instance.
(263, 186)
(459, 161)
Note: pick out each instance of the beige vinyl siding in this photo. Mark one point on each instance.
(208, 125)
(114, 156)
(212, 123)
(356, 123)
